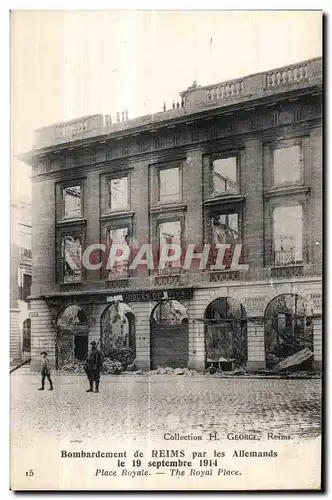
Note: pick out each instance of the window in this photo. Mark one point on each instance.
(26, 344)
(26, 289)
(287, 235)
(170, 233)
(72, 201)
(71, 258)
(224, 176)
(225, 229)
(287, 165)
(176, 139)
(25, 245)
(118, 193)
(169, 185)
(119, 236)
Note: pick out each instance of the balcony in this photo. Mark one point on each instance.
(287, 264)
(193, 100)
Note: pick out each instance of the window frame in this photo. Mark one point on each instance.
(221, 156)
(283, 144)
(110, 225)
(273, 259)
(60, 264)
(301, 164)
(60, 199)
(109, 193)
(105, 191)
(169, 219)
(169, 167)
(286, 201)
(26, 232)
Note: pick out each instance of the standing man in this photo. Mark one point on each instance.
(93, 365)
(45, 371)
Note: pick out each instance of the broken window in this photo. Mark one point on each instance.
(170, 234)
(71, 253)
(287, 235)
(169, 185)
(118, 193)
(287, 165)
(225, 229)
(72, 202)
(170, 312)
(119, 236)
(224, 176)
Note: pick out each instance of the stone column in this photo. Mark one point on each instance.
(42, 333)
(318, 341)
(142, 324)
(256, 344)
(252, 179)
(92, 208)
(196, 346)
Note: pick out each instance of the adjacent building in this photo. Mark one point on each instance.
(238, 164)
(20, 280)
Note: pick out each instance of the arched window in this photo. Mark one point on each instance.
(169, 312)
(72, 338)
(288, 327)
(118, 337)
(226, 332)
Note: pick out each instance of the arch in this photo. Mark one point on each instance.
(169, 312)
(288, 327)
(225, 322)
(118, 333)
(169, 335)
(72, 335)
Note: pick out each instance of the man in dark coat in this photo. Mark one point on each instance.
(45, 371)
(93, 365)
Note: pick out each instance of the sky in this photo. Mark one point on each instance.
(67, 64)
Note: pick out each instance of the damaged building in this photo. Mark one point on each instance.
(238, 163)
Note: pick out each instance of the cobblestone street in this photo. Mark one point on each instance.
(133, 406)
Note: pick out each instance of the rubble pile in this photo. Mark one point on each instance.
(73, 366)
(112, 367)
(173, 371)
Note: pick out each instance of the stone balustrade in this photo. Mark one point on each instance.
(194, 99)
(224, 90)
(286, 76)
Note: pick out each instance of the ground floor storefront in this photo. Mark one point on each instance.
(248, 325)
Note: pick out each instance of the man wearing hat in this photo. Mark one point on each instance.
(45, 371)
(93, 365)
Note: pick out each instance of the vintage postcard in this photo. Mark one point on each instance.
(166, 250)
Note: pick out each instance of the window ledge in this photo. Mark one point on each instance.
(73, 222)
(168, 207)
(118, 214)
(283, 190)
(225, 198)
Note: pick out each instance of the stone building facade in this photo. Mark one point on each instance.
(20, 280)
(236, 163)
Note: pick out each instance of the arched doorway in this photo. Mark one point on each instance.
(72, 336)
(226, 333)
(118, 335)
(169, 332)
(288, 328)
(26, 341)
